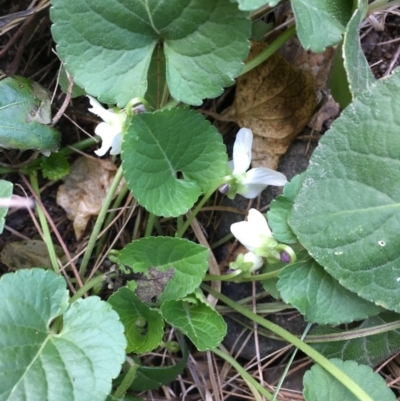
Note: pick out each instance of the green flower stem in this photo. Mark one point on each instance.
(99, 222)
(242, 371)
(170, 105)
(289, 364)
(352, 334)
(260, 308)
(89, 285)
(270, 50)
(7, 170)
(221, 241)
(311, 352)
(262, 277)
(239, 279)
(196, 210)
(126, 381)
(43, 223)
(111, 216)
(150, 225)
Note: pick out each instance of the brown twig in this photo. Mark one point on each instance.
(68, 96)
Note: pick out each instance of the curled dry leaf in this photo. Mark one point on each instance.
(319, 64)
(276, 101)
(84, 190)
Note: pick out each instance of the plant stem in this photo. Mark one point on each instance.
(89, 285)
(44, 225)
(311, 352)
(238, 279)
(149, 225)
(99, 222)
(353, 334)
(287, 367)
(111, 216)
(270, 50)
(196, 210)
(126, 381)
(242, 371)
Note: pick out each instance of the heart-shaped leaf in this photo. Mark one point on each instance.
(204, 43)
(359, 74)
(170, 157)
(369, 349)
(319, 297)
(39, 363)
(327, 17)
(204, 326)
(347, 211)
(153, 377)
(280, 209)
(188, 260)
(144, 327)
(319, 385)
(25, 112)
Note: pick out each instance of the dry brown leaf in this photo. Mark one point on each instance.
(27, 254)
(319, 64)
(84, 190)
(276, 101)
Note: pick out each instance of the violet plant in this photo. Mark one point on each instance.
(341, 216)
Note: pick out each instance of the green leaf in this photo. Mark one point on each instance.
(144, 327)
(319, 297)
(39, 363)
(359, 75)
(6, 189)
(151, 378)
(250, 5)
(64, 83)
(338, 82)
(170, 158)
(327, 17)
(319, 385)
(55, 167)
(157, 79)
(347, 211)
(204, 43)
(204, 326)
(24, 112)
(368, 350)
(188, 260)
(280, 208)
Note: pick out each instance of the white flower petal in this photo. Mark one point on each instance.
(107, 133)
(257, 261)
(97, 109)
(258, 222)
(230, 165)
(116, 145)
(242, 151)
(266, 176)
(257, 179)
(251, 191)
(245, 233)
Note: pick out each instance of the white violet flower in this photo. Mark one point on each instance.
(110, 130)
(245, 263)
(257, 261)
(249, 183)
(255, 234)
